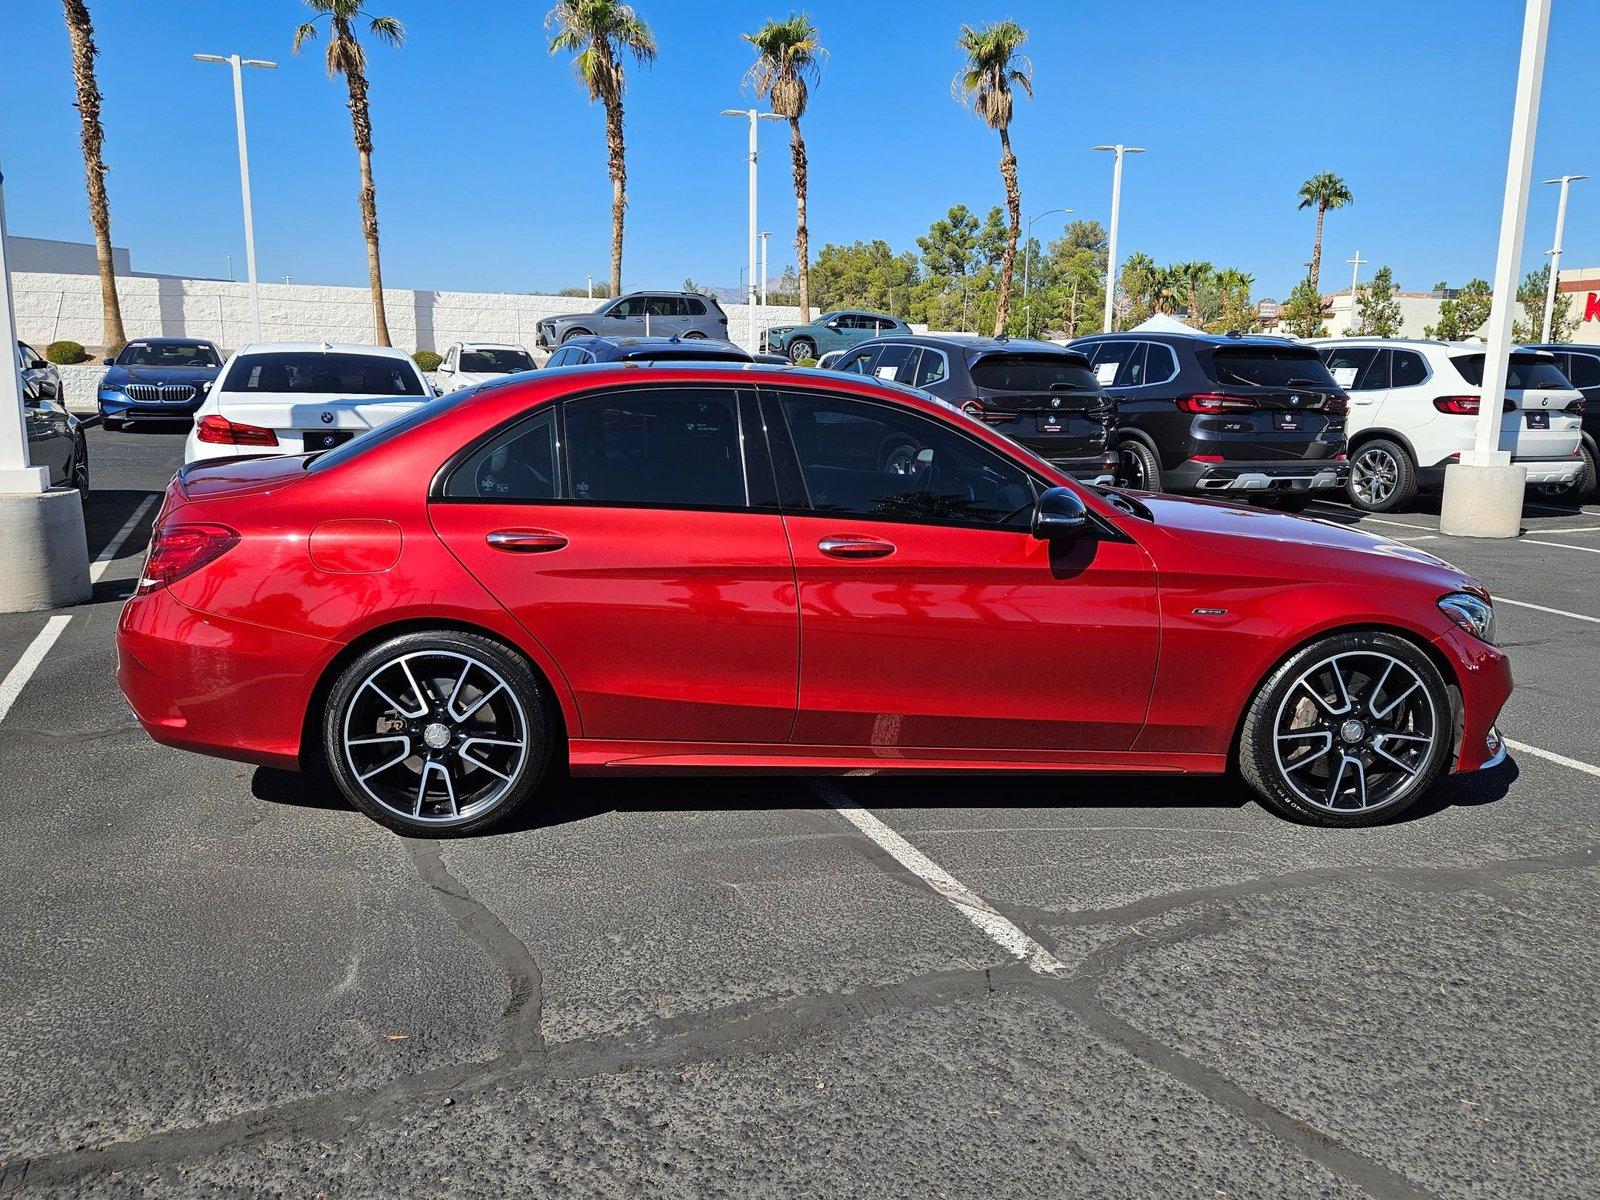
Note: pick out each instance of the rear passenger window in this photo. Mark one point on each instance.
(931, 368)
(669, 447)
(519, 465)
(1347, 365)
(1584, 371)
(891, 360)
(1131, 373)
(1407, 369)
(1160, 363)
(697, 308)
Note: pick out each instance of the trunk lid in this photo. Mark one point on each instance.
(1270, 402)
(1049, 400)
(209, 479)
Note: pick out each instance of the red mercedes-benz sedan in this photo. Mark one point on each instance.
(697, 568)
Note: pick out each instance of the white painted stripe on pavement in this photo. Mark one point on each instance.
(1415, 537)
(108, 555)
(1575, 764)
(1562, 545)
(972, 906)
(1364, 519)
(1560, 612)
(1562, 531)
(17, 678)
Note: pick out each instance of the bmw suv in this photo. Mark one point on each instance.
(663, 314)
(1243, 418)
(1036, 393)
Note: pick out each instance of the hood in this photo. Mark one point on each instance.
(781, 330)
(116, 375)
(1324, 547)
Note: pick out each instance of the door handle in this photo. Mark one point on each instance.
(525, 541)
(855, 547)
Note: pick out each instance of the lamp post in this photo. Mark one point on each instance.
(1355, 274)
(1554, 252)
(764, 235)
(1027, 259)
(234, 61)
(1483, 492)
(591, 287)
(753, 115)
(1116, 212)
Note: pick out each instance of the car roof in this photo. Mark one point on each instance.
(321, 347)
(489, 346)
(173, 341)
(1216, 340)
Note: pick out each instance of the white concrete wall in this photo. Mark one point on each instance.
(52, 307)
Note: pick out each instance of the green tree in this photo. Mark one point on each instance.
(1190, 278)
(598, 33)
(1069, 281)
(1464, 315)
(1302, 313)
(949, 249)
(80, 30)
(864, 275)
(1322, 192)
(789, 58)
(1377, 310)
(994, 67)
(346, 57)
(1529, 326)
(1234, 311)
(1137, 285)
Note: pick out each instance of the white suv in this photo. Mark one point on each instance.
(467, 364)
(297, 397)
(1414, 410)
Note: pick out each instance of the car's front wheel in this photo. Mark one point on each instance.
(1351, 730)
(573, 333)
(437, 733)
(801, 349)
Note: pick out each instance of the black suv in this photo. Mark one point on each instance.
(1038, 394)
(1255, 418)
(588, 349)
(1581, 366)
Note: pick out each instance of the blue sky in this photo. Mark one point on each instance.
(491, 164)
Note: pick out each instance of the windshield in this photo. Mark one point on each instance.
(495, 360)
(317, 372)
(389, 430)
(1033, 373)
(160, 354)
(1270, 366)
(1524, 371)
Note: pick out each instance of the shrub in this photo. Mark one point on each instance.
(806, 362)
(65, 354)
(426, 360)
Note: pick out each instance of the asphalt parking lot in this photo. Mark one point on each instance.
(214, 981)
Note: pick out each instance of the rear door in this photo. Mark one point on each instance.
(1363, 372)
(1268, 403)
(314, 400)
(643, 548)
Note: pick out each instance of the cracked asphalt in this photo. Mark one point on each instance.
(216, 982)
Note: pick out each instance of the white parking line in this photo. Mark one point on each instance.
(1560, 612)
(1575, 764)
(1364, 519)
(1563, 531)
(108, 555)
(1562, 545)
(17, 678)
(972, 906)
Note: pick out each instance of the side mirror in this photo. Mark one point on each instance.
(37, 364)
(108, 361)
(1059, 515)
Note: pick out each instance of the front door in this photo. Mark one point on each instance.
(930, 617)
(632, 550)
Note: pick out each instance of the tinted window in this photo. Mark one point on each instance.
(1585, 371)
(1112, 362)
(1160, 363)
(560, 358)
(895, 362)
(316, 373)
(1524, 371)
(669, 447)
(860, 364)
(1269, 366)
(662, 306)
(931, 368)
(496, 359)
(147, 354)
(697, 308)
(1347, 365)
(1407, 368)
(1032, 373)
(873, 460)
(520, 464)
(633, 306)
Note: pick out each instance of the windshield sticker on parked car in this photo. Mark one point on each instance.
(1344, 376)
(1105, 372)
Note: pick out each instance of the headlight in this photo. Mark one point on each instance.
(1472, 613)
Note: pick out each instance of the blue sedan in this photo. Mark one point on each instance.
(157, 378)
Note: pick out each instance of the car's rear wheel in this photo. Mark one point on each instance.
(1382, 476)
(694, 335)
(1138, 467)
(801, 349)
(1352, 730)
(80, 467)
(437, 733)
(1579, 490)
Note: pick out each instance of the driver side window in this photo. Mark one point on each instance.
(872, 460)
(518, 465)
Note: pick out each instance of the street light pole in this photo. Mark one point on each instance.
(752, 115)
(764, 235)
(234, 61)
(1555, 253)
(1116, 213)
(1355, 274)
(1027, 259)
(1483, 492)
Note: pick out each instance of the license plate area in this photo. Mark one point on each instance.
(318, 440)
(1538, 420)
(1288, 422)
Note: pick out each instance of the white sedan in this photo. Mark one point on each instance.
(298, 397)
(466, 364)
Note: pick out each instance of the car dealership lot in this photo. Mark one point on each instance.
(216, 981)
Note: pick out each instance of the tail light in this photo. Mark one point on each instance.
(182, 549)
(1464, 406)
(1214, 402)
(1205, 458)
(1337, 405)
(1576, 408)
(220, 431)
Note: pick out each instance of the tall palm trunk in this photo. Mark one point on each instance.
(361, 124)
(1008, 260)
(619, 187)
(1316, 250)
(84, 52)
(802, 235)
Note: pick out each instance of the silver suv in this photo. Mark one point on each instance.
(641, 314)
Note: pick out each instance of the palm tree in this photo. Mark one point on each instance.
(788, 61)
(1192, 276)
(1165, 285)
(84, 51)
(596, 32)
(1138, 281)
(993, 68)
(1323, 191)
(346, 57)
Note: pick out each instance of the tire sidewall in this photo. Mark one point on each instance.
(1405, 485)
(797, 354)
(1149, 464)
